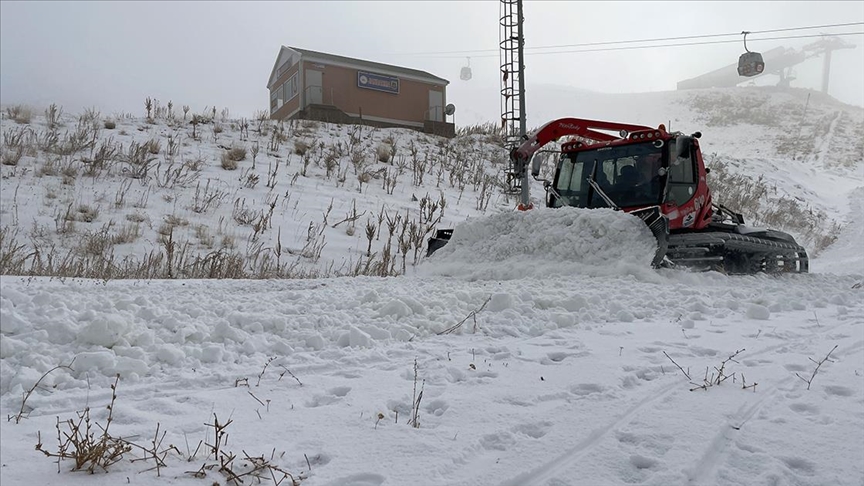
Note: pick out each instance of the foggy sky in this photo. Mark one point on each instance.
(112, 55)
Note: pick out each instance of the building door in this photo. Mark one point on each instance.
(436, 106)
(314, 87)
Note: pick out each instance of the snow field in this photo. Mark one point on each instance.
(562, 381)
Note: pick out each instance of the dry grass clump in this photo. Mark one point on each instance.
(11, 156)
(91, 447)
(153, 146)
(21, 114)
(237, 154)
(128, 233)
(86, 213)
(52, 116)
(232, 156)
(136, 217)
(81, 442)
(300, 147)
(98, 244)
(227, 162)
(487, 128)
(49, 167)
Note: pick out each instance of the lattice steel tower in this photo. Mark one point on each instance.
(513, 88)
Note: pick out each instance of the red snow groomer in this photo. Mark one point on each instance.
(659, 177)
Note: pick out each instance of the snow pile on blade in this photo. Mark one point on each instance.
(546, 242)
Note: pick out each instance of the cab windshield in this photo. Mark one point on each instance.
(628, 174)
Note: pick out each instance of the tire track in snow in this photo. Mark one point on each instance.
(717, 450)
(719, 446)
(557, 465)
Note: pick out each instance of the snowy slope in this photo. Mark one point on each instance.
(534, 355)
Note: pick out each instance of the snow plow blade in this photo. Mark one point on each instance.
(659, 226)
(651, 216)
(438, 241)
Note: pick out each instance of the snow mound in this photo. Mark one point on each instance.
(544, 241)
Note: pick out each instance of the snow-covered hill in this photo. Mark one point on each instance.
(119, 198)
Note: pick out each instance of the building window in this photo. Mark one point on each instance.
(289, 88)
(274, 100)
(283, 93)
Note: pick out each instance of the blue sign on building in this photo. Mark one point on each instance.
(378, 82)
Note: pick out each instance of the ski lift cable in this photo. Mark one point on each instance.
(657, 39)
(682, 44)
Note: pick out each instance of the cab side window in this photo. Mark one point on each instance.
(682, 180)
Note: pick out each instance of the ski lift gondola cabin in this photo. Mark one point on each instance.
(750, 63)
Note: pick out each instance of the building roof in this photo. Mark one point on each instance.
(310, 55)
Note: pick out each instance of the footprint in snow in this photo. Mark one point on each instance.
(642, 462)
(362, 479)
(497, 442)
(333, 395)
(559, 356)
(799, 465)
(837, 390)
(702, 352)
(534, 430)
(436, 407)
(638, 469)
(804, 408)
(556, 356)
(585, 389)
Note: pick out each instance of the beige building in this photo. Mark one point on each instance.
(313, 85)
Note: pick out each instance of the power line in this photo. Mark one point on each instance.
(658, 39)
(682, 44)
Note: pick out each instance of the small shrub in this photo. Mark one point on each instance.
(228, 242)
(237, 153)
(86, 213)
(52, 116)
(487, 128)
(110, 124)
(153, 146)
(11, 156)
(69, 171)
(98, 244)
(19, 113)
(300, 147)
(174, 220)
(136, 217)
(202, 232)
(128, 233)
(165, 229)
(227, 162)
